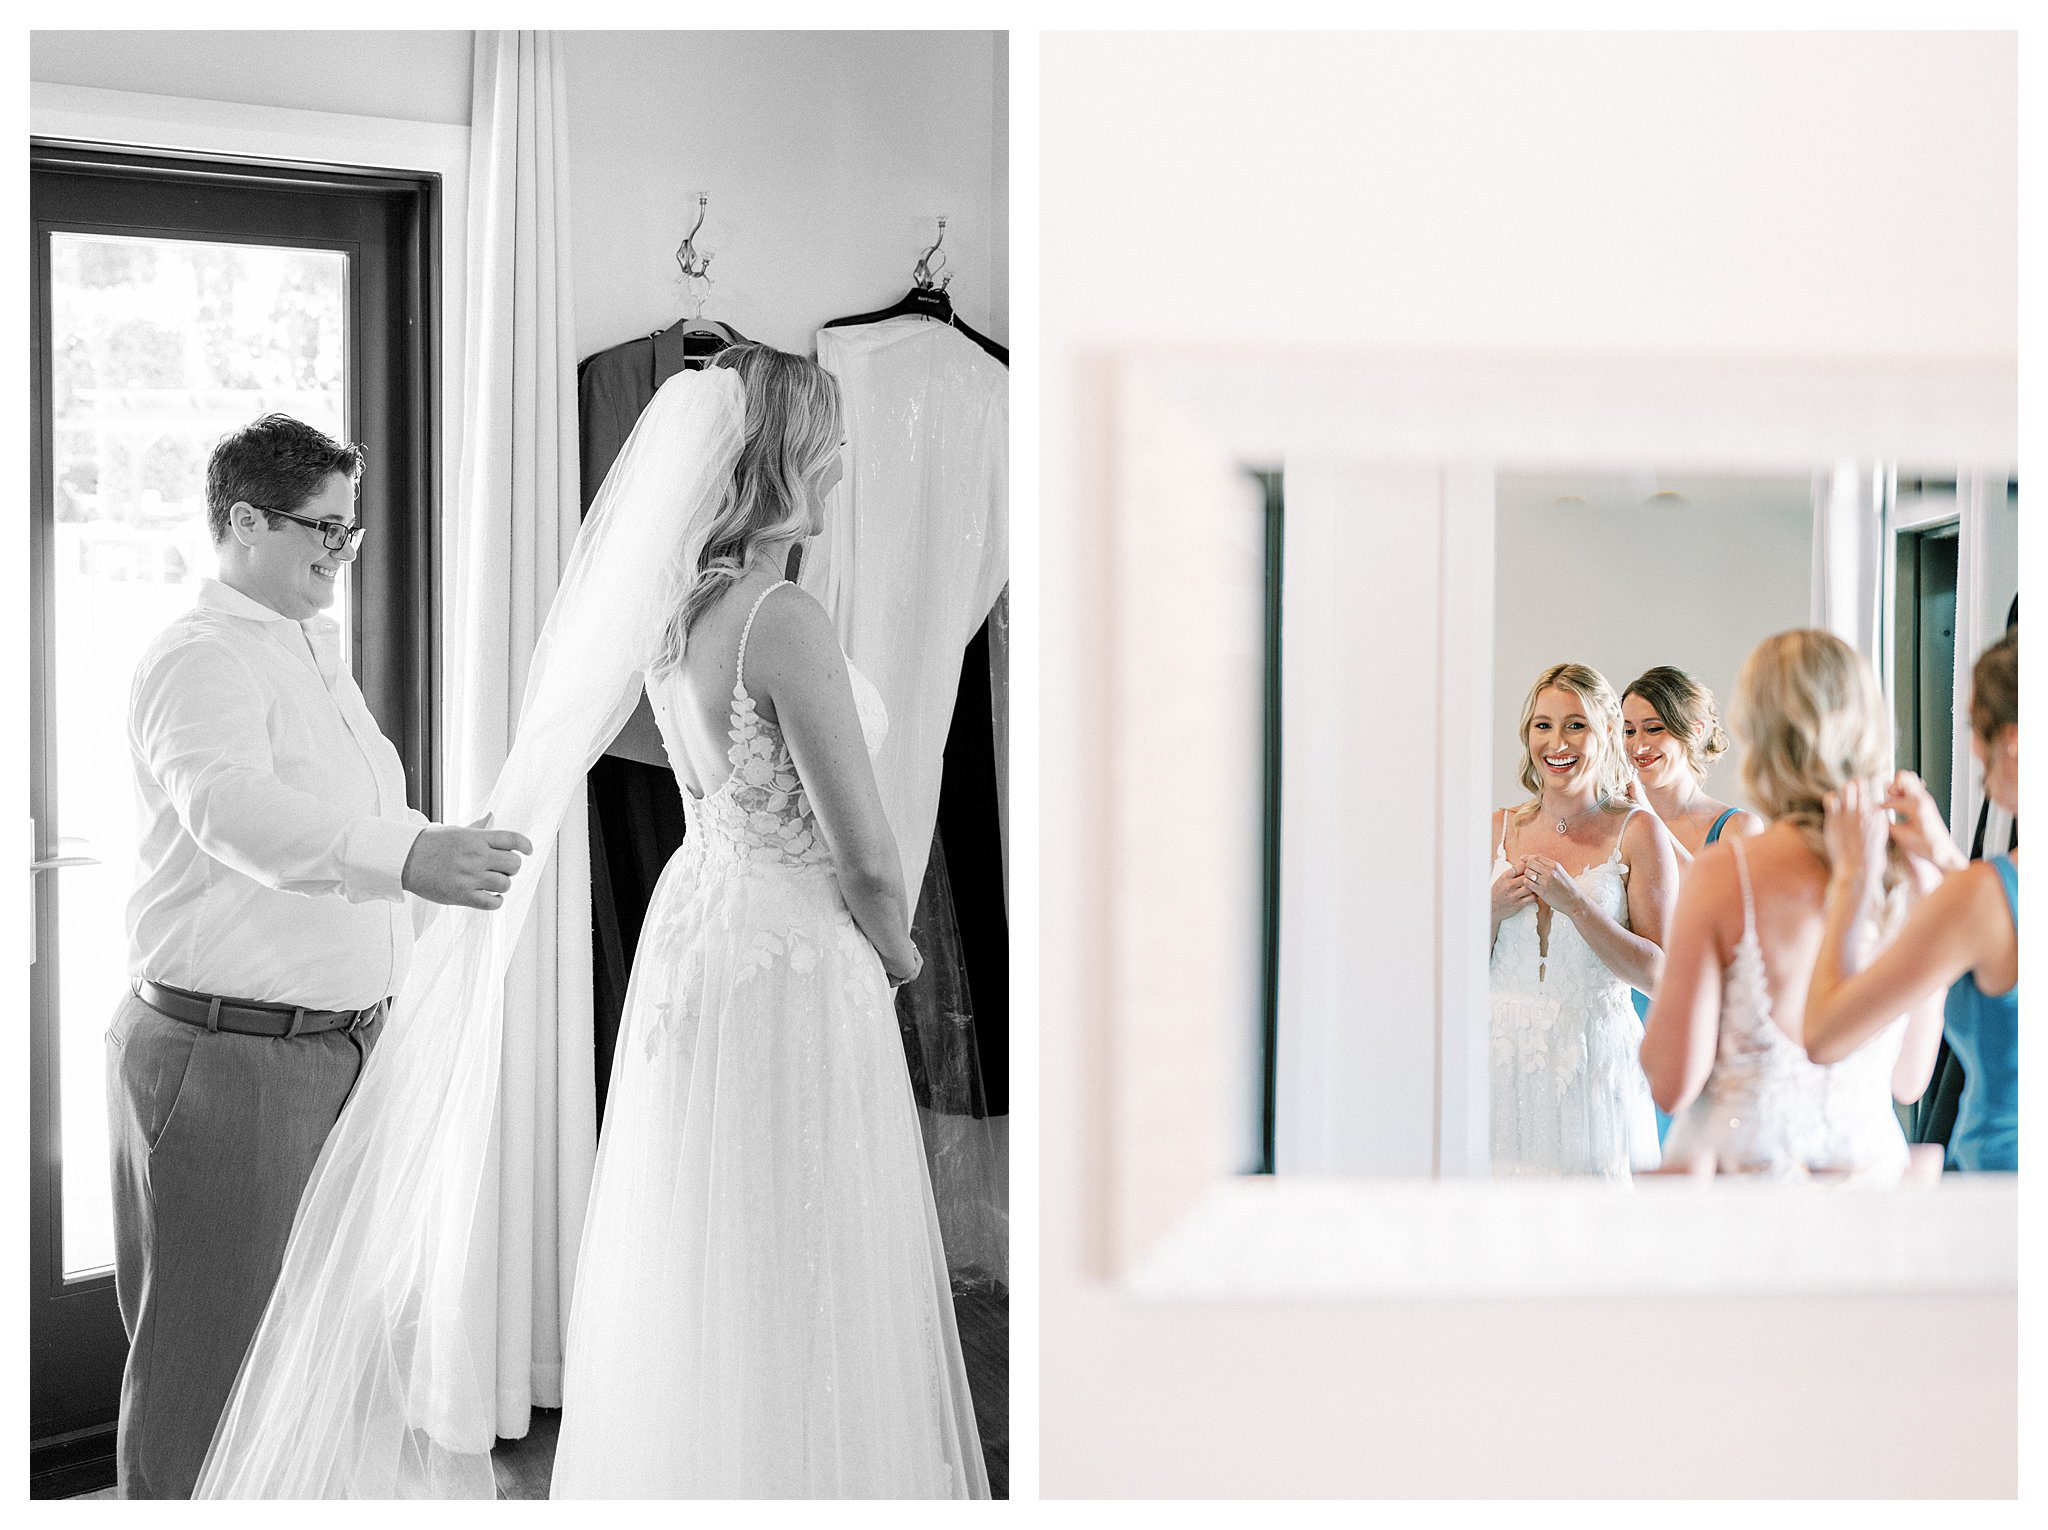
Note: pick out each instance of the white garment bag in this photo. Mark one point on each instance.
(918, 547)
(911, 562)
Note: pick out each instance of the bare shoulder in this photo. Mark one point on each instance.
(1711, 878)
(1643, 833)
(790, 609)
(1977, 887)
(1783, 869)
(1717, 860)
(1744, 825)
(793, 639)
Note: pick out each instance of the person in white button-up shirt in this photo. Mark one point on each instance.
(269, 922)
(274, 823)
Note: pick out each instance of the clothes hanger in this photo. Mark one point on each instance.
(697, 336)
(927, 299)
(693, 326)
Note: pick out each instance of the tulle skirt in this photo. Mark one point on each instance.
(1569, 1096)
(761, 1305)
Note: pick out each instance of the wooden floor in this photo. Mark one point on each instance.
(524, 1466)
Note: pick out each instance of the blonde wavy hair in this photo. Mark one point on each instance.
(1812, 717)
(1603, 727)
(792, 427)
(1687, 708)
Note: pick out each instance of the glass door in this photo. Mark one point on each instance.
(174, 302)
(168, 345)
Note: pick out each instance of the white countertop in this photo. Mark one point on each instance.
(1328, 1239)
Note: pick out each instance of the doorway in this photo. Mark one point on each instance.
(174, 299)
(1924, 675)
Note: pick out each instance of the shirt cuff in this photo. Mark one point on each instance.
(377, 851)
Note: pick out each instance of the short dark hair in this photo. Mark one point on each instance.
(275, 463)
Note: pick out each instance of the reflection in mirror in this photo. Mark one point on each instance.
(1687, 668)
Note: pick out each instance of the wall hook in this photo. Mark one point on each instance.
(926, 274)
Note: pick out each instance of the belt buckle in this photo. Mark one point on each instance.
(364, 1016)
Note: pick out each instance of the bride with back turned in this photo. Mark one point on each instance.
(761, 1304)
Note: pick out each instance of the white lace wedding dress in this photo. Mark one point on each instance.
(762, 1304)
(1569, 1095)
(1768, 1109)
(761, 1308)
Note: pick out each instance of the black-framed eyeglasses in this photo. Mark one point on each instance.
(337, 534)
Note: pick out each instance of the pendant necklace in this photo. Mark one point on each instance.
(1564, 824)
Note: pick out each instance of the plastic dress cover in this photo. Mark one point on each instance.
(910, 567)
(367, 1378)
(964, 1147)
(920, 546)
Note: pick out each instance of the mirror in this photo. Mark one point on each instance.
(1662, 577)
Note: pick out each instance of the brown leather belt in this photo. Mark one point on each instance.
(246, 1017)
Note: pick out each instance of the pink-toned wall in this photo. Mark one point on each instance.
(1783, 195)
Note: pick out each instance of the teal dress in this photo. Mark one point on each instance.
(1984, 1032)
(1642, 1000)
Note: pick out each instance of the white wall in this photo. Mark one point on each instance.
(414, 76)
(1356, 1064)
(826, 156)
(1623, 585)
(1719, 193)
(1584, 195)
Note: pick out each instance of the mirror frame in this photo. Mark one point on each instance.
(1176, 1220)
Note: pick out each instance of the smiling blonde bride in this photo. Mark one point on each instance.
(1583, 882)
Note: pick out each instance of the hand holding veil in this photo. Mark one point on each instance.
(365, 1379)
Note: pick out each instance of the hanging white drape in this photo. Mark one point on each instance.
(1848, 556)
(515, 518)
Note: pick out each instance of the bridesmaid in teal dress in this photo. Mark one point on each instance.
(1672, 732)
(1964, 935)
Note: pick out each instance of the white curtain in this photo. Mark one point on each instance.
(1848, 557)
(515, 518)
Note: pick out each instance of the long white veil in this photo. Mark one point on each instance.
(366, 1378)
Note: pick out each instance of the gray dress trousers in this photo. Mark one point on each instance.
(214, 1136)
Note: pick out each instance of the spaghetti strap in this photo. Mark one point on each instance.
(1615, 856)
(1714, 834)
(739, 674)
(1748, 907)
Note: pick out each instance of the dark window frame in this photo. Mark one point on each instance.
(1925, 584)
(1272, 487)
(390, 224)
